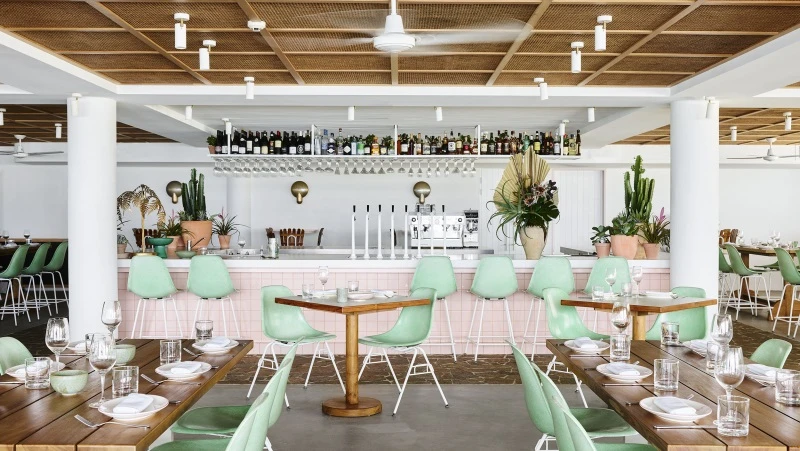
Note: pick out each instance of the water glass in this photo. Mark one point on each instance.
(102, 357)
(620, 347)
(627, 289)
(37, 372)
(787, 387)
(341, 295)
(722, 328)
(111, 315)
(57, 335)
(665, 374)
(670, 333)
(597, 293)
(170, 351)
(203, 329)
(620, 315)
(124, 381)
(712, 348)
(352, 285)
(307, 288)
(733, 416)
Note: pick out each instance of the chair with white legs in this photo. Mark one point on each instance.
(33, 274)
(10, 275)
(751, 280)
(727, 281)
(412, 328)
(791, 278)
(53, 268)
(437, 272)
(495, 279)
(210, 280)
(550, 272)
(149, 279)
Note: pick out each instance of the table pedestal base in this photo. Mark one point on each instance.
(337, 407)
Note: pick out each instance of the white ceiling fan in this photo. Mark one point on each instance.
(770, 156)
(19, 152)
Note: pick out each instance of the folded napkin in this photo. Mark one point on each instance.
(623, 369)
(133, 403)
(323, 293)
(585, 343)
(217, 343)
(659, 294)
(674, 406)
(762, 370)
(19, 373)
(185, 368)
(40, 366)
(386, 293)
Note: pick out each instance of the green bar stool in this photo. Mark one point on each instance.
(412, 328)
(12, 353)
(791, 278)
(772, 352)
(33, 272)
(692, 321)
(747, 277)
(149, 279)
(726, 277)
(53, 268)
(598, 278)
(550, 272)
(437, 272)
(209, 279)
(494, 280)
(9, 275)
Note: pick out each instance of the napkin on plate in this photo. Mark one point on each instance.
(385, 293)
(185, 368)
(585, 343)
(762, 370)
(623, 369)
(133, 403)
(674, 406)
(659, 294)
(323, 293)
(217, 343)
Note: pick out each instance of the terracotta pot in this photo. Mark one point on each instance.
(602, 249)
(121, 248)
(533, 242)
(212, 149)
(224, 241)
(177, 243)
(624, 246)
(197, 230)
(651, 250)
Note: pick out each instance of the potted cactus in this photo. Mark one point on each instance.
(639, 199)
(624, 236)
(194, 218)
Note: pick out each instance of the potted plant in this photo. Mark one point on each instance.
(639, 198)
(194, 217)
(143, 199)
(387, 146)
(526, 202)
(212, 144)
(172, 228)
(224, 226)
(122, 243)
(655, 233)
(624, 239)
(600, 240)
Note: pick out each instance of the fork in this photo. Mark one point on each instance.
(155, 382)
(97, 425)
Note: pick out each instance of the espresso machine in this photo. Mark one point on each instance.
(445, 230)
(469, 235)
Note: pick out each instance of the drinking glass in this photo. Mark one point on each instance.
(712, 348)
(733, 413)
(37, 372)
(124, 381)
(88, 342)
(57, 336)
(27, 235)
(637, 275)
(627, 289)
(307, 289)
(241, 244)
(670, 333)
(787, 387)
(352, 285)
(597, 293)
(620, 315)
(722, 328)
(102, 357)
(5, 237)
(170, 351)
(665, 374)
(204, 329)
(620, 347)
(611, 278)
(341, 295)
(111, 315)
(323, 276)
(729, 367)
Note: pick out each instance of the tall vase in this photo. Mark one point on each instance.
(224, 241)
(532, 241)
(199, 232)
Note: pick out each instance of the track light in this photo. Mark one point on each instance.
(73, 103)
(249, 88)
(600, 33)
(439, 115)
(733, 133)
(787, 121)
(351, 113)
(180, 30)
(2, 119)
(576, 56)
(710, 102)
(228, 125)
(205, 54)
(188, 112)
(58, 131)
(542, 88)
(562, 127)
(590, 114)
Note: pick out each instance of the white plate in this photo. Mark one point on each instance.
(758, 377)
(703, 410)
(78, 347)
(14, 369)
(164, 370)
(107, 408)
(198, 345)
(643, 373)
(360, 295)
(601, 346)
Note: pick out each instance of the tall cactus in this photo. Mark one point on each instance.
(639, 196)
(194, 198)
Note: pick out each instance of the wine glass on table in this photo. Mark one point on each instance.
(611, 279)
(323, 276)
(620, 315)
(102, 357)
(241, 244)
(27, 235)
(111, 315)
(729, 369)
(722, 328)
(637, 275)
(56, 336)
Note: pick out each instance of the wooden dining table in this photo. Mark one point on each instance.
(773, 426)
(351, 405)
(44, 420)
(640, 307)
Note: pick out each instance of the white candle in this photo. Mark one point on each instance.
(366, 235)
(405, 236)
(353, 235)
(391, 235)
(444, 238)
(380, 232)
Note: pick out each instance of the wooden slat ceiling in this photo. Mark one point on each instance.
(754, 126)
(37, 123)
(650, 42)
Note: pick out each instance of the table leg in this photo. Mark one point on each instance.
(351, 405)
(639, 326)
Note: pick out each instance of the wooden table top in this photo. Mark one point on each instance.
(330, 304)
(642, 304)
(755, 250)
(43, 420)
(772, 426)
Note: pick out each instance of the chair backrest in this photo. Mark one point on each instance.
(563, 321)
(724, 266)
(598, 275)
(209, 277)
(12, 353)
(277, 403)
(788, 269)
(414, 324)
(538, 409)
(580, 439)
(772, 352)
(57, 260)
(494, 278)
(149, 277)
(558, 406)
(551, 272)
(282, 322)
(37, 264)
(692, 321)
(252, 431)
(435, 272)
(14, 268)
(737, 264)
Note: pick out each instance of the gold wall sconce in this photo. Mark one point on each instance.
(299, 190)
(421, 191)
(174, 190)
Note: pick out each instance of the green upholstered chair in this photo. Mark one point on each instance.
(579, 438)
(436, 271)
(752, 280)
(33, 274)
(791, 278)
(549, 272)
(209, 280)
(495, 279)
(149, 280)
(285, 325)
(9, 275)
(54, 267)
(12, 353)
(772, 352)
(692, 321)
(412, 328)
(727, 281)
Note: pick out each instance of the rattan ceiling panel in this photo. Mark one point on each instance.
(153, 78)
(226, 41)
(555, 63)
(699, 44)
(323, 15)
(777, 113)
(340, 62)
(230, 61)
(127, 61)
(626, 17)
(794, 85)
(450, 62)
(446, 15)
(559, 42)
(734, 18)
(443, 78)
(85, 41)
(663, 64)
(736, 112)
(45, 14)
(160, 14)
(321, 42)
(526, 79)
(347, 78)
(754, 121)
(262, 78)
(616, 79)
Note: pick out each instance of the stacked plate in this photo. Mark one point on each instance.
(600, 347)
(18, 371)
(107, 408)
(624, 372)
(201, 346)
(166, 371)
(700, 410)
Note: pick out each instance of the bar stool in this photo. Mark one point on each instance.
(54, 267)
(791, 278)
(209, 279)
(150, 280)
(32, 272)
(598, 278)
(494, 280)
(747, 276)
(437, 272)
(9, 275)
(550, 272)
(726, 276)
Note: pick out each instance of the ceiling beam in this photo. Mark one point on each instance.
(270, 40)
(523, 35)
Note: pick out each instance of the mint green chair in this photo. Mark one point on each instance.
(598, 275)
(727, 281)
(578, 438)
(772, 352)
(149, 279)
(494, 279)
(9, 275)
(412, 328)
(791, 278)
(12, 353)
(54, 267)
(285, 325)
(748, 276)
(209, 279)
(549, 272)
(692, 321)
(437, 272)
(32, 272)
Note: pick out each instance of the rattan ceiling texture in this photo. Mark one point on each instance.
(38, 124)
(650, 42)
(753, 126)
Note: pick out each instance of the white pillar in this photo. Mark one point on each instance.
(91, 212)
(238, 202)
(694, 195)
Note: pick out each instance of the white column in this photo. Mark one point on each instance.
(238, 202)
(91, 212)
(694, 195)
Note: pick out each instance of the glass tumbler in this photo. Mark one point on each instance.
(204, 329)
(170, 351)
(352, 285)
(665, 374)
(670, 333)
(711, 355)
(307, 288)
(627, 289)
(733, 416)
(37, 372)
(341, 295)
(124, 381)
(787, 387)
(620, 347)
(597, 293)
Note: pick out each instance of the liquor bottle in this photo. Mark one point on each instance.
(220, 137)
(572, 149)
(257, 143)
(451, 143)
(506, 143)
(551, 144)
(557, 146)
(418, 145)
(578, 143)
(459, 144)
(234, 142)
(491, 146)
(331, 149)
(248, 142)
(426, 145)
(403, 144)
(353, 146)
(348, 146)
(374, 146)
(277, 142)
(513, 143)
(484, 145)
(360, 145)
(537, 143)
(466, 146)
(291, 143)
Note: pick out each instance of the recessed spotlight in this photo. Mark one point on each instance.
(205, 54)
(600, 33)
(73, 103)
(256, 25)
(180, 30)
(249, 88)
(576, 56)
(542, 88)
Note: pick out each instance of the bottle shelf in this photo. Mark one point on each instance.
(253, 157)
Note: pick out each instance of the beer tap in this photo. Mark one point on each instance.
(366, 235)
(353, 235)
(405, 236)
(391, 235)
(380, 232)
(444, 227)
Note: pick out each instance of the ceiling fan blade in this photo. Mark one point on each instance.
(7, 152)
(745, 158)
(789, 156)
(507, 32)
(33, 154)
